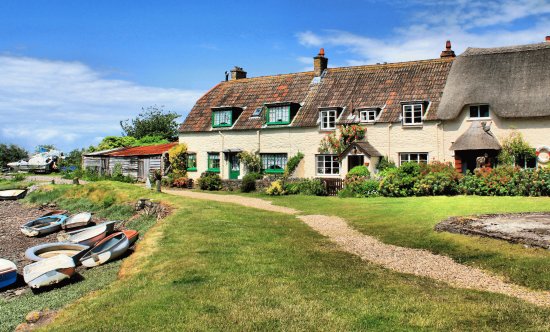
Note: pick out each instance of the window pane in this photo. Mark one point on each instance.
(484, 111)
(474, 112)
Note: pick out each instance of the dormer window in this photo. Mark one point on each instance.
(479, 111)
(278, 115)
(225, 116)
(413, 114)
(222, 118)
(369, 115)
(328, 119)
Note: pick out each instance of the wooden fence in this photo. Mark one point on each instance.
(332, 186)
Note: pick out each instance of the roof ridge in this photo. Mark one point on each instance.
(266, 76)
(471, 51)
(392, 64)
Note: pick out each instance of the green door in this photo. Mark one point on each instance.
(234, 167)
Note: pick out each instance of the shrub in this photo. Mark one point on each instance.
(251, 161)
(310, 187)
(399, 182)
(275, 189)
(181, 182)
(210, 181)
(385, 164)
(293, 163)
(362, 171)
(249, 182)
(437, 178)
(364, 188)
(178, 159)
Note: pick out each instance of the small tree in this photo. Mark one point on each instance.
(513, 148)
(153, 121)
(251, 161)
(178, 160)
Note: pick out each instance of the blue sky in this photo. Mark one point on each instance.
(71, 70)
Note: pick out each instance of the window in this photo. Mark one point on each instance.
(214, 162)
(278, 115)
(526, 161)
(222, 118)
(257, 112)
(479, 111)
(328, 165)
(368, 115)
(191, 162)
(274, 162)
(412, 114)
(413, 157)
(328, 119)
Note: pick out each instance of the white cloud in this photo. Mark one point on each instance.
(466, 23)
(69, 104)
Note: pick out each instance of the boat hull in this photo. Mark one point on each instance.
(132, 236)
(43, 226)
(8, 273)
(108, 249)
(12, 194)
(49, 271)
(47, 250)
(77, 221)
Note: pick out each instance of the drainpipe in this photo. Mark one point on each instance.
(222, 165)
(259, 141)
(389, 140)
(439, 126)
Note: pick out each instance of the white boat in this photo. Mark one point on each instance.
(12, 194)
(49, 271)
(47, 250)
(43, 226)
(43, 162)
(77, 220)
(91, 235)
(108, 249)
(8, 273)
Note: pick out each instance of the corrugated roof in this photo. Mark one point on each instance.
(349, 87)
(143, 150)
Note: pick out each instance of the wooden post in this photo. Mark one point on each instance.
(158, 185)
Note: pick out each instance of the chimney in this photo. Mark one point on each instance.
(237, 73)
(448, 52)
(320, 63)
(548, 39)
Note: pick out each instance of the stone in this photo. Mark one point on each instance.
(33, 316)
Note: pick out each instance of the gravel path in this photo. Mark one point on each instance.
(405, 260)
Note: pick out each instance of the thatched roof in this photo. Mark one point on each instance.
(514, 81)
(477, 137)
(364, 147)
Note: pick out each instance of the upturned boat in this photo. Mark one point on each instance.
(132, 236)
(8, 273)
(43, 226)
(108, 249)
(49, 271)
(91, 235)
(12, 194)
(77, 220)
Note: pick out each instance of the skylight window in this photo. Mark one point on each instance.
(257, 112)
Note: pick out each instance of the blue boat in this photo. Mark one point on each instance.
(8, 273)
(43, 226)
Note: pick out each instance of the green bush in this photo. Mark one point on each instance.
(507, 180)
(399, 182)
(359, 171)
(385, 164)
(310, 187)
(437, 178)
(249, 182)
(210, 181)
(364, 188)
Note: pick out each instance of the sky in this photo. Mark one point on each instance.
(70, 71)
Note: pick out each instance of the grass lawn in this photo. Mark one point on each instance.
(409, 222)
(212, 266)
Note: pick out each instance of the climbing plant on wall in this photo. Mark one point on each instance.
(338, 141)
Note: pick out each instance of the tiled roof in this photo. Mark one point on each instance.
(143, 150)
(346, 87)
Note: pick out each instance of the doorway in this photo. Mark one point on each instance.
(355, 160)
(234, 166)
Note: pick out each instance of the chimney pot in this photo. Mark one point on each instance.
(448, 52)
(237, 73)
(320, 63)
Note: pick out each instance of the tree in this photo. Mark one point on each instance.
(178, 160)
(11, 153)
(153, 121)
(74, 158)
(515, 147)
(112, 142)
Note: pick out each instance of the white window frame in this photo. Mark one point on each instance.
(327, 161)
(326, 116)
(409, 154)
(411, 110)
(479, 117)
(366, 115)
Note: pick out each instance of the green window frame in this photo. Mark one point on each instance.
(222, 118)
(214, 162)
(192, 162)
(278, 115)
(274, 163)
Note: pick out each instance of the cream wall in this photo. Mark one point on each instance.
(433, 137)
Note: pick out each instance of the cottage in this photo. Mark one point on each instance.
(137, 162)
(451, 109)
